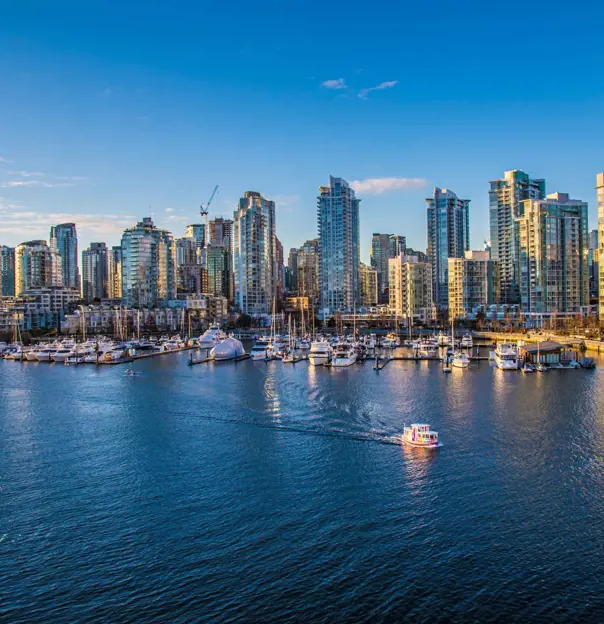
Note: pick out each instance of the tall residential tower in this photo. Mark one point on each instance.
(448, 237)
(505, 206)
(338, 225)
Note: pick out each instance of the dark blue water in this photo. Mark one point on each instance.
(274, 493)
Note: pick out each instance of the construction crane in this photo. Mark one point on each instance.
(204, 211)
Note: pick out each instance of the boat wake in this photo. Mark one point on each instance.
(378, 437)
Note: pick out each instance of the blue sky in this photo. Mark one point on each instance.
(108, 114)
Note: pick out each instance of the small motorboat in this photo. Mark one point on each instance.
(420, 435)
(527, 368)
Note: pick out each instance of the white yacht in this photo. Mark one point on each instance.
(344, 355)
(44, 355)
(261, 349)
(320, 353)
(443, 340)
(506, 357)
(427, 350)
(212, 337)
(460, 360)
(391, 341)
(466, 341)
(420, 435)
(60, 355)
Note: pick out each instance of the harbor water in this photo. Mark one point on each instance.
(271, 492)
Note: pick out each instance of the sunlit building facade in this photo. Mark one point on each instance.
(506, 197)
(37, 266)
(410, 289)
(369, 285)
(254, 254)
(473, 284)
(553, 249)
(148, 266)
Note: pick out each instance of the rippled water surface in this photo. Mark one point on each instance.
(275, 493)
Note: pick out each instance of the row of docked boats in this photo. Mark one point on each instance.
(90, 351)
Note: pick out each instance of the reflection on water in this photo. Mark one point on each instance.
(271, 492)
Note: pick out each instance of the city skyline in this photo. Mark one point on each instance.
(95, 134)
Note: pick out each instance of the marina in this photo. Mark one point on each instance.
(190, 465)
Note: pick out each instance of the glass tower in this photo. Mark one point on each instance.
(95, 272)
(7, 271)
(338, 225)
(64, 239)
(448, 237)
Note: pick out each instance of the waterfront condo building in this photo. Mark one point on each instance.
(506, 197)
(148, 266)
(600, 197)
(338, 228)
(95, 272)
(308, 269)
(473, 284)
(7, 271)
(291, 274)
(410, 289)
(553, 250)
(369, 285)
(380, 254)
(254, 254)
(114, 286)
(37, 266)
(448, 237)
(64, 240)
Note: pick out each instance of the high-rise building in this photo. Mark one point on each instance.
(291, 281)
(410, 289)
(473, 284)
(506, 197)
(338, 221)
(600, 196)
(593, 265)
(64, 239)
(186, 251)
(197, 232)
(398, 245)
(308, 262)
(254, 254)
(148, 266)
(219, 270)
(553, 250)
(221, 232)
(279, 271)
(7, 271)
(369, 285)
(114, 286)
(37, 266)
(95, 272)
(448, 237)
(380, 253)
(191, 276)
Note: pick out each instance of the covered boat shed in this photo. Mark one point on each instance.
(547, 352)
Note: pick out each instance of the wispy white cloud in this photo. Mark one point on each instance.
(5, 160)
(377, 186)
(35, 224)
(363, 93)
(34, 183)
(285, 201)
(169, 209)
(338, 83)
(27, 174)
